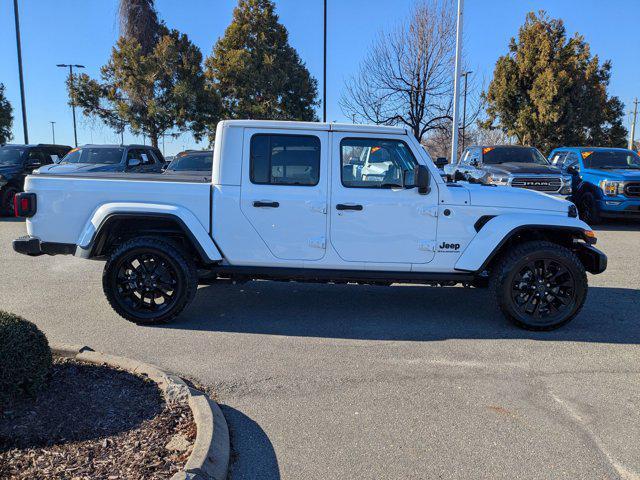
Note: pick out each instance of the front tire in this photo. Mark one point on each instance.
(539, 285)
(149, 280)
(588, 208)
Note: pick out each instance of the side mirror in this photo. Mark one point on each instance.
(441, 162)
(422, 179)
(573, 168)
(134, 162)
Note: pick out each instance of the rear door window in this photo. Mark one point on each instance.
(284, 159)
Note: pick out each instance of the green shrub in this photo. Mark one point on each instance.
(25, 357)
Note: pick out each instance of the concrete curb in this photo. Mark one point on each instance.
(209, 459)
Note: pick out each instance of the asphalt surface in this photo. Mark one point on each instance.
(323, 381)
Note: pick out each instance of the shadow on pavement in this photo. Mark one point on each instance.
(618, 225)
(401, 313)
(252, 454)
(11, 219)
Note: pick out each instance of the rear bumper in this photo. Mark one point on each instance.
(34, 247)
(594, 260)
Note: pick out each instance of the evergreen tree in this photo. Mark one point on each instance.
(549, 90)
(255, 71)
(154, 92)
(6, 117)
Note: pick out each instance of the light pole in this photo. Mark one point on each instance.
(464, 107)
(24, 107)
(73, 96)
(456, 82)
(324, 67)
(53, 131)
(632, 134)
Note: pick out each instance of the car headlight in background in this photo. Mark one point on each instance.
(497, 180)
(611, 188)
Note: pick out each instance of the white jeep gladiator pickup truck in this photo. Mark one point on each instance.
(313, 202)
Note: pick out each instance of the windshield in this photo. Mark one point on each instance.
(194, 162)
(495, 156)
(610, 159)
(106, 156)
(10, 155)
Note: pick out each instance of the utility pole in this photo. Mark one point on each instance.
(53, 131)
(324, 67)
(73, 96)
(632, 134)
(456, 84)
(464, 107)
(24, 107)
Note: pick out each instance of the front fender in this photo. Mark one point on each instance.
(185, 217)
(498, 230)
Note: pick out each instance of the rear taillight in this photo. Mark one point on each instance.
(25, 204)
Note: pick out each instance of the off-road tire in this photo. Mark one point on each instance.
(588, 209)
(514, 260)
(6, 201)
(180, 264)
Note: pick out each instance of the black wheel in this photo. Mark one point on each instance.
(588, 209)
(149, 280)
(6, 201)
(539, 285)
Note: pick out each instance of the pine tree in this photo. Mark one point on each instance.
(6, 117)
(153, 89)
(255, 71)
(549, 90)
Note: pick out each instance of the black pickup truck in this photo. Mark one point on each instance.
(512, 166)
(18, 161)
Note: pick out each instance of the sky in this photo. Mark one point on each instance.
(84, 31)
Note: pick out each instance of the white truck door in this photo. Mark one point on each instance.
(284, 190)
(373, 218)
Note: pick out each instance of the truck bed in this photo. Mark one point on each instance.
(67, 204)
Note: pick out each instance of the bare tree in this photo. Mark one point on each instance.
(407, 77)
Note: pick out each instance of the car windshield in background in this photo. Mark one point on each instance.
(192, 162)
(10, 155)
(103, 156)
(497, 155)
(611, 159)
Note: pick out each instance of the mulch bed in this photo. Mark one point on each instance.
(95, 422)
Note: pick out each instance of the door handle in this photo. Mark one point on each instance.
(343, 206)
(266, 204)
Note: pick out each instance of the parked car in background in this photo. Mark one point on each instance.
(512, 166)
(606, 181)
(109, 158)
(192, 163)
(18, 161)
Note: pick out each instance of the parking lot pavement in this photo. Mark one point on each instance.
(324, 381)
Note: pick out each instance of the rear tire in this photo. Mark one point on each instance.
(539, 285)
(6, 201)
(149, 280)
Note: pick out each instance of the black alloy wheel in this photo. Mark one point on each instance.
(544, 290)
(539, 285)
(149, 280)
(147, 283)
